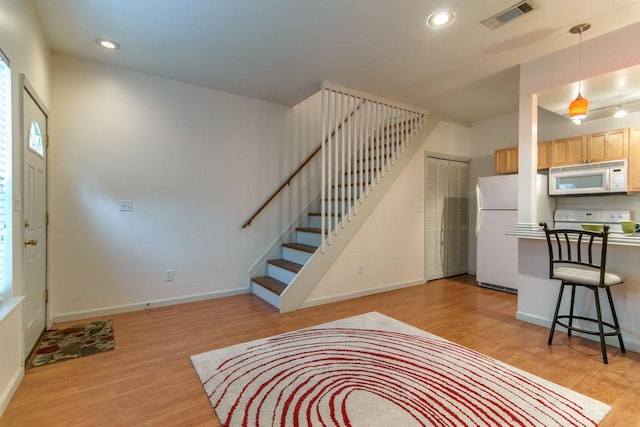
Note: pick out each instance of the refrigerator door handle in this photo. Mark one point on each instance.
(477, 209)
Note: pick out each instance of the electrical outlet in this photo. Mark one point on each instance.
(360, 269)
(126, 205)
(168, 275)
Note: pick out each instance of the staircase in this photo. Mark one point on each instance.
(360, 148)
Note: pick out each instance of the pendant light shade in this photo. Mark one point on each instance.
(579, 108)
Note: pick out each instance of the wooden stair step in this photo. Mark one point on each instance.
(293, 267)
(352, 184)
(320, 214)
(301, 247)
(309, 230)
(271, 284)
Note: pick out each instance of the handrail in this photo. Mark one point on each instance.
(293, 175)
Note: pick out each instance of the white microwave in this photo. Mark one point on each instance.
(588, 178)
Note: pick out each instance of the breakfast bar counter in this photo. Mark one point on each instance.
(615, 239)
(537, 293)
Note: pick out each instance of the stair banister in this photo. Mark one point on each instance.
(286, 183)
(369, 143)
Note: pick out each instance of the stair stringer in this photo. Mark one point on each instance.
(314, 270)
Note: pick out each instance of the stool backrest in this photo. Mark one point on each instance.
(582, 248)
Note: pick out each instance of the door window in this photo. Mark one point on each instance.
(35, 139)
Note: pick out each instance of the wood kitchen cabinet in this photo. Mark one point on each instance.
(595, 147)
(568, 151)
(544, 155)
(610, 145)
(506, 160)
(634, 159)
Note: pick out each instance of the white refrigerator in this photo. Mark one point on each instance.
(497, 205)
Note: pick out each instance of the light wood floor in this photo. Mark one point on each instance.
(148, 379)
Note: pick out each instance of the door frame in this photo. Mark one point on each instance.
(25, 85)
(440, 156)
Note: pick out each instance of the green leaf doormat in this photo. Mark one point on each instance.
(75, 341)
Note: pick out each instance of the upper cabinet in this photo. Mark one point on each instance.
(596, 147)
(611, 145)
(544, 155)
(568, 151)
(506, 160)
(634, 159)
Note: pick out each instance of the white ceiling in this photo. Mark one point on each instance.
(605, 93)
(280, 50)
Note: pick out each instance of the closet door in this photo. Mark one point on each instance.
(437, 190)
(456, 239)
(446, 218)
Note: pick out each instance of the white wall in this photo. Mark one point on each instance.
(23, 43)
(195, 162)
(390, 245)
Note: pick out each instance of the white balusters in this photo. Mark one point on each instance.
(362, 139)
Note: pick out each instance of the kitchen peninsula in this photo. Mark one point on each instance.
(537, 293)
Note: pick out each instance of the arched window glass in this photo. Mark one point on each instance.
(35, 138)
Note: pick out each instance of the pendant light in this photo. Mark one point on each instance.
(579, 108)
(621, 112)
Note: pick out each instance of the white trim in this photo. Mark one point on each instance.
(266, 295)
(613, 341)
(11, 388)
(363, 293)
(85, 314)
(8, 305)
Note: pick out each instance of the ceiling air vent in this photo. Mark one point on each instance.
(510, 14)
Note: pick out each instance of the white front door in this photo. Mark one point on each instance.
(34, 221)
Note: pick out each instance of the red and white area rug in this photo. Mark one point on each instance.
(372, 370)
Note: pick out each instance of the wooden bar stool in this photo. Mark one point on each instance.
(578, 259)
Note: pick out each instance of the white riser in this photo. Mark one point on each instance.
(294, 255)
(339, 191)
(372, 163)
(265, 294)
(336, 207)
(315, 222)
(281, 274)
(306, 238)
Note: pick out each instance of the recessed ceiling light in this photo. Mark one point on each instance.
(440, 18)
(107, 44)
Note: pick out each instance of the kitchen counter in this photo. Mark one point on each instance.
(614, 238)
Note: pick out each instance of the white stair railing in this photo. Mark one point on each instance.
(363, 136)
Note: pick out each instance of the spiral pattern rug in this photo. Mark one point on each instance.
(372, 370)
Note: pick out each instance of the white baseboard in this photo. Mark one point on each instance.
(540, 321)
(361, 293)
(105, 311)
(10, 389)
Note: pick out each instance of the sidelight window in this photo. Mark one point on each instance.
(5, 178)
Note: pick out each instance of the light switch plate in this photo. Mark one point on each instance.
(126, 205)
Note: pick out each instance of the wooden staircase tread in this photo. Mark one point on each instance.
(309, 230)
(294, 267)
(320, 214)
(351, 184)
(271, 284)
(301, 247)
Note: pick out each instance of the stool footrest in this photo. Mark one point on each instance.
(613, 333)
